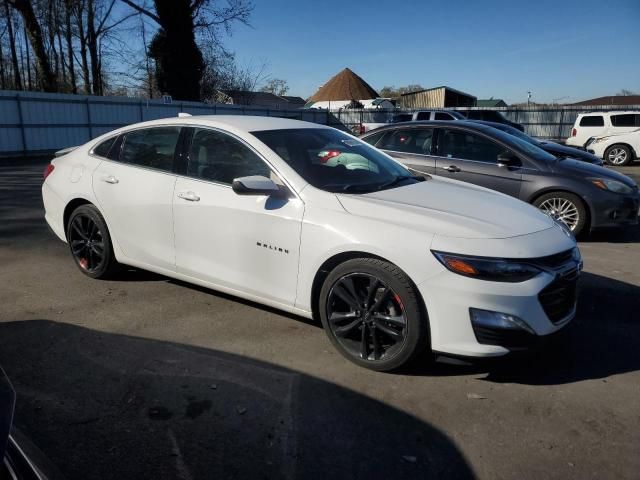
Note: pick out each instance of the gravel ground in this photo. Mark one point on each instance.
(146, 377)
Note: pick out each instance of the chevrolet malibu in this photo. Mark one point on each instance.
(313, 221)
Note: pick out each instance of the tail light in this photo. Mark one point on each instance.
(362, 129)
(47, 171)
(574, 132)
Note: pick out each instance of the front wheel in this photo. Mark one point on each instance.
(564, 207)
(618, 155)
(371, 312)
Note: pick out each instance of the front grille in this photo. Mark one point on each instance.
(558, 299)
(556, 260)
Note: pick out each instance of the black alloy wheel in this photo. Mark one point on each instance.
(371, 313)
(366, 316)
(89, 242)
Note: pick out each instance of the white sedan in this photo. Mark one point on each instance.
(619, 149)
(265, 209)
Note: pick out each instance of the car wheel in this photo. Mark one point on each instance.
(90, 242)
(618, 155)
(565, 207)
(371, 312)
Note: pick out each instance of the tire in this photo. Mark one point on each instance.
(90, 242)
(371, 312)
(618, 155)
(566, 207)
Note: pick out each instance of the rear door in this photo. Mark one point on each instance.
(135, 193)
(624, 122)
(413, 146)
(470, 157)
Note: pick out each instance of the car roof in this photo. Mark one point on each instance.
(244, 123)
(609, 112)
(434, 123)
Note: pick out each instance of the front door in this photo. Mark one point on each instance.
(471, 157)
(247, 243)
(135, 193)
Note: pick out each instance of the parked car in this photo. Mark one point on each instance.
(555, 149)
(392, 264)
(495, 116)
(582, 195)
(19, 458)
(619, 149)
(416, 116)
(598, 124)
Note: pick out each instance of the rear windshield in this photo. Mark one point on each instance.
(334, 161)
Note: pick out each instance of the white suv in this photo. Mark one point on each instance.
(596, 124)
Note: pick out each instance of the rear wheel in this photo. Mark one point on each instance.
(564, 207)
(371, 313)
(618, 155)
(90, 242)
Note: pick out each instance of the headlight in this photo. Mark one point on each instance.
(493, 269)
(611, 185)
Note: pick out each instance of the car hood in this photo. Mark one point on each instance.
(449, 208)
(562, 150)
(581, 169)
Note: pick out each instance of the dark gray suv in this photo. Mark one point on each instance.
(582, 195)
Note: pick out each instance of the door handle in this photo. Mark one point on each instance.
(190, 196)
(110, 179)
(451, 168)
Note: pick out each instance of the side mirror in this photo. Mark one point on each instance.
(507, 159)
(257, 185)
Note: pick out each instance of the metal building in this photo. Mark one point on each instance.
(438, 97)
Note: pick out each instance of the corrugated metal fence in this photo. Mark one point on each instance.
(33, 122)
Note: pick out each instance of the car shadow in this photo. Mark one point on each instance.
(601, 342)
(105, 405)
(630, 234)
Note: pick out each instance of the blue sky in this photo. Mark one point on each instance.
(567, 50)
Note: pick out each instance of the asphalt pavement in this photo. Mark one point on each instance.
(145, 377)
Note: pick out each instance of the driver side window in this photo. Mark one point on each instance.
(468, 146)
(219, 157)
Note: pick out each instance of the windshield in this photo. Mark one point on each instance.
(334, 161)
(527, 145)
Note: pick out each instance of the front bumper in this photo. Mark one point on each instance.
(542, 303)
(614, 210)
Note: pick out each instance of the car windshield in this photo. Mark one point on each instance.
(528, 145)
(334, 161)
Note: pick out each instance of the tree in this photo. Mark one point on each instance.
(276, 86)
(17, 81)
(625, 93)
(46, 78)
(178, 59)
(393, 92)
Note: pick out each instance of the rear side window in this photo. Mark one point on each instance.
(592, 121)
(444, 116)
(374, 139)
(151, 147)
(423, 116)
(221, 158)
(626, 120)
(469, 146)
(102, 150)
(402, 117)
(409, 140)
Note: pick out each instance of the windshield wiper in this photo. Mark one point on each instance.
(399, 179)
